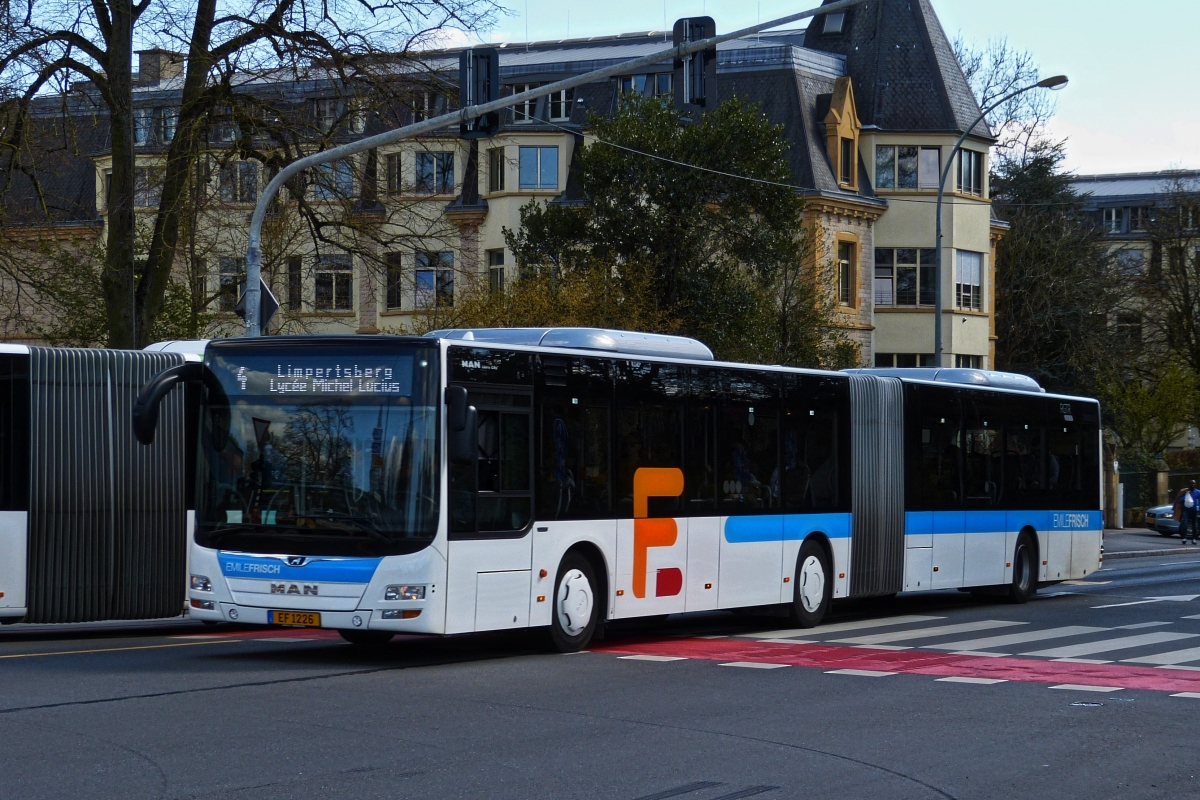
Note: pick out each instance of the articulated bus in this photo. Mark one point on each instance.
(482, 480)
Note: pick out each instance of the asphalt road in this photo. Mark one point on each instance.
(927, 696)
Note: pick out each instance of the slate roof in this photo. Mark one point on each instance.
(1114, 189)
(906, 77)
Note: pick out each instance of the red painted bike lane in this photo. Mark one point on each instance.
(914, 662)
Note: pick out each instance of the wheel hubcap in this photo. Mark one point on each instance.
(574, 604)
(812, 584)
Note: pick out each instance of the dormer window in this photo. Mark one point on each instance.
(834, 23)
(1112, 220)
(846, 176)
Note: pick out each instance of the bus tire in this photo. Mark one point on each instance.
(814, 587)
(1024, 580)
(573, 616)
(366, 638)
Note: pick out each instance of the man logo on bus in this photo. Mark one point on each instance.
(658, 532)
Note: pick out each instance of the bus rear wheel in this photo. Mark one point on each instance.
(1024, 580)
(814, 589)
(573, 615)
(367, 638)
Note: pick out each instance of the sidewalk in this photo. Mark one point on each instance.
(1141, 543)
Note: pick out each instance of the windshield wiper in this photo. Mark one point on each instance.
(361, 523)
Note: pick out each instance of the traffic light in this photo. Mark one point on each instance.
(695, 74)
(479, 82)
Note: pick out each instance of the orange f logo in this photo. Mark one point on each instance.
(660, 532)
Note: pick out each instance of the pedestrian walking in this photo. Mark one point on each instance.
(1188, 504)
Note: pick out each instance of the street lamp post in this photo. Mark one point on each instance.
(1054, 82)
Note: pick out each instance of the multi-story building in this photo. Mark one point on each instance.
(871, 100)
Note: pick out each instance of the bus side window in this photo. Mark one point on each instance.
(649, 428)
(493, 495)
(748, 475)
(933, 476)
(983, 452)
(574, 404)
(700, 435)
(811, 472)
(1025, 468)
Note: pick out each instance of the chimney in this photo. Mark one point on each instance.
(158, 65)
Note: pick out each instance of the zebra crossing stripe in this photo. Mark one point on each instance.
(1109, 645)
(923, 633)
(1018, 638)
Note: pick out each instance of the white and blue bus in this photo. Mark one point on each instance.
(561, 478)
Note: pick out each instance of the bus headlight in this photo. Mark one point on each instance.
(201, 583)
(404, 592)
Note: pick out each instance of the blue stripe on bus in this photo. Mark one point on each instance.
(777, 527)
(318, 568)
(918, 523)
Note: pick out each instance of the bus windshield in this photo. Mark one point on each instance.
(319, 448)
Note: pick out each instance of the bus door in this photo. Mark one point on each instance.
(491, 516)
(652, 531)
(748, 490)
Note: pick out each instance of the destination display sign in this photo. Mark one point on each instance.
(322, 374)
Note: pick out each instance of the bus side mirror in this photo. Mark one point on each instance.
(145, 408)
(464, 443)
(456, 408)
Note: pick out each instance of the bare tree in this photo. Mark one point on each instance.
(993, 71)
(234, 59)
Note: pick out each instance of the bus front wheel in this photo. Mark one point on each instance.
(1024, 580)
(573, 617)
(814, 589)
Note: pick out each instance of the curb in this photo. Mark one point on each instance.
(1168, 551)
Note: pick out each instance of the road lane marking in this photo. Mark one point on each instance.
(979, 681)
(1173, 657)
(1179, 666)
(1108, 645)
(839, 627)
(1193, 695)
(862, 673)
(1081, 687)
(119, 649)
(980, 653)
(1085, 583)
(1191, 616)
(753, 665)
(652, 658)
(1080, 661)
(923, 633)
(788, 641)
(881, 647)
(1121, 605)
(1138, 625)
(1017, 638)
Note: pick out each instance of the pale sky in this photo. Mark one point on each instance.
(1133, 103)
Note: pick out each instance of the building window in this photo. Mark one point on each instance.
(224, 129)
(325, 112)
(968, 280)
(231, 273)
(496, 166)
(970, 172)
(903, 360)
(847, 162)
(1139, 219)
(968, 362)
(656, 85)
(295, 284)
(1112, 220)
(333, 181)
(539, 167)
(905, 276)
(525, 110)
(1129, 330)
(846, 261)
(169, 122)
(395, 180)
(147, 190)
(334, 281)
(560, 105)
(424, 105)
(143, 126)
(834, 23)
(394, 268)
(434, 279)
(1131, 263)
(495, 260)
(907, 167)
(435, 173)
(238, 182)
